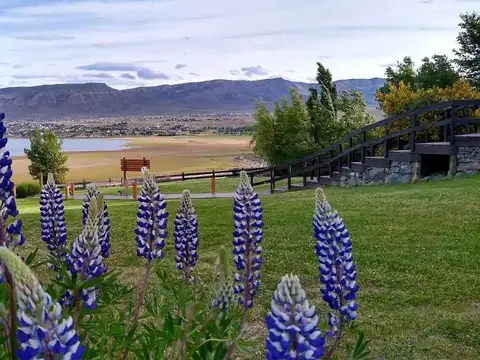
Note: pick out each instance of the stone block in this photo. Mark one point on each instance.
(470, 166)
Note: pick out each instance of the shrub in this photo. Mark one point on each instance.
(29, 189)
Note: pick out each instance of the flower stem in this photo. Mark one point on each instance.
(246, 293)
(141, 295)
(12, 300)
(13, 315)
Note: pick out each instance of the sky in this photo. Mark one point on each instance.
(130, 43)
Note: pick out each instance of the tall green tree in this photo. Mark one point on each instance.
(468, 54)
(329, 92)
(283, 134)
(46, 156)
(333, 115)
(437, 71)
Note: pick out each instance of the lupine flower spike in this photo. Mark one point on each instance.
(152, 217)
(86, 257)
(43, 332)
(186, 237)
(104, 229)
(52, 219)
(337, 269)
(293, 324)
(151, 233)
(223, 297)
(8, 206)
(248, 234)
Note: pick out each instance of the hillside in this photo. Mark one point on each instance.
(100, 100)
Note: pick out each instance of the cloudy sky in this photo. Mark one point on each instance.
(128, 43)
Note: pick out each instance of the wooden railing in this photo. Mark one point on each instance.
(183, 176)
(447, 119)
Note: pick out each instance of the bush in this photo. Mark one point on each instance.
(29, 189)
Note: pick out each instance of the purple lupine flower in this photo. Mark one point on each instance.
(248, 234)
(186, 236)
(52, 219)
(152, 218)
(104, 229)
(8, 206)
(223, 296)
(86, 257)
(293, 324)
(337, 269)
(43, 332)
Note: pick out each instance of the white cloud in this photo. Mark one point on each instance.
(353, 38)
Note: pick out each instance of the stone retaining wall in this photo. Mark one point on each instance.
(468, 160)
(400, 172)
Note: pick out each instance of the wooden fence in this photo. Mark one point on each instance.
(184, 176)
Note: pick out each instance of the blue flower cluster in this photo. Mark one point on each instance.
(52, 218)
(186, 236)
(86, 257)
(43, 332)
(104, 229)
(152, 219)
(8, 206)
(293, 324)
(248, 234)
(337, 269)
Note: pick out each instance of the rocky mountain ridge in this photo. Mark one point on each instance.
(71, 101)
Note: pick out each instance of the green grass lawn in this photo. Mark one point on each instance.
(416, 247)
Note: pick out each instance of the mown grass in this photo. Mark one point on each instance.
(416, 248)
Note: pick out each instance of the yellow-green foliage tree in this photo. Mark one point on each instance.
(402, 98)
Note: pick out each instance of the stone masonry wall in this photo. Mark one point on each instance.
(400, 172)
(468, 160)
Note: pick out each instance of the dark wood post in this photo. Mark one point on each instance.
(84, 184)
(453, 118)
(413, 134)
(339, 161)
(305, 166)
(330, 169)
(183, 176)
(318, 168)
(289, 180)
(362, 153)
(251, 179)
(385, 143)
(445, 127)
(272, 181)
(350, 145)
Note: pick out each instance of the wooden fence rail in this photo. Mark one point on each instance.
(184, 176)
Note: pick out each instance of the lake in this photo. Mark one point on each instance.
(16, 146)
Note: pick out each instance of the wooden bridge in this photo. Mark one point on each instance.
(418, 138)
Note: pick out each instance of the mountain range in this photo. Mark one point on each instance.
(71, 101)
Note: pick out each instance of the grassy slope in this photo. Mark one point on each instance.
(416, 248)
